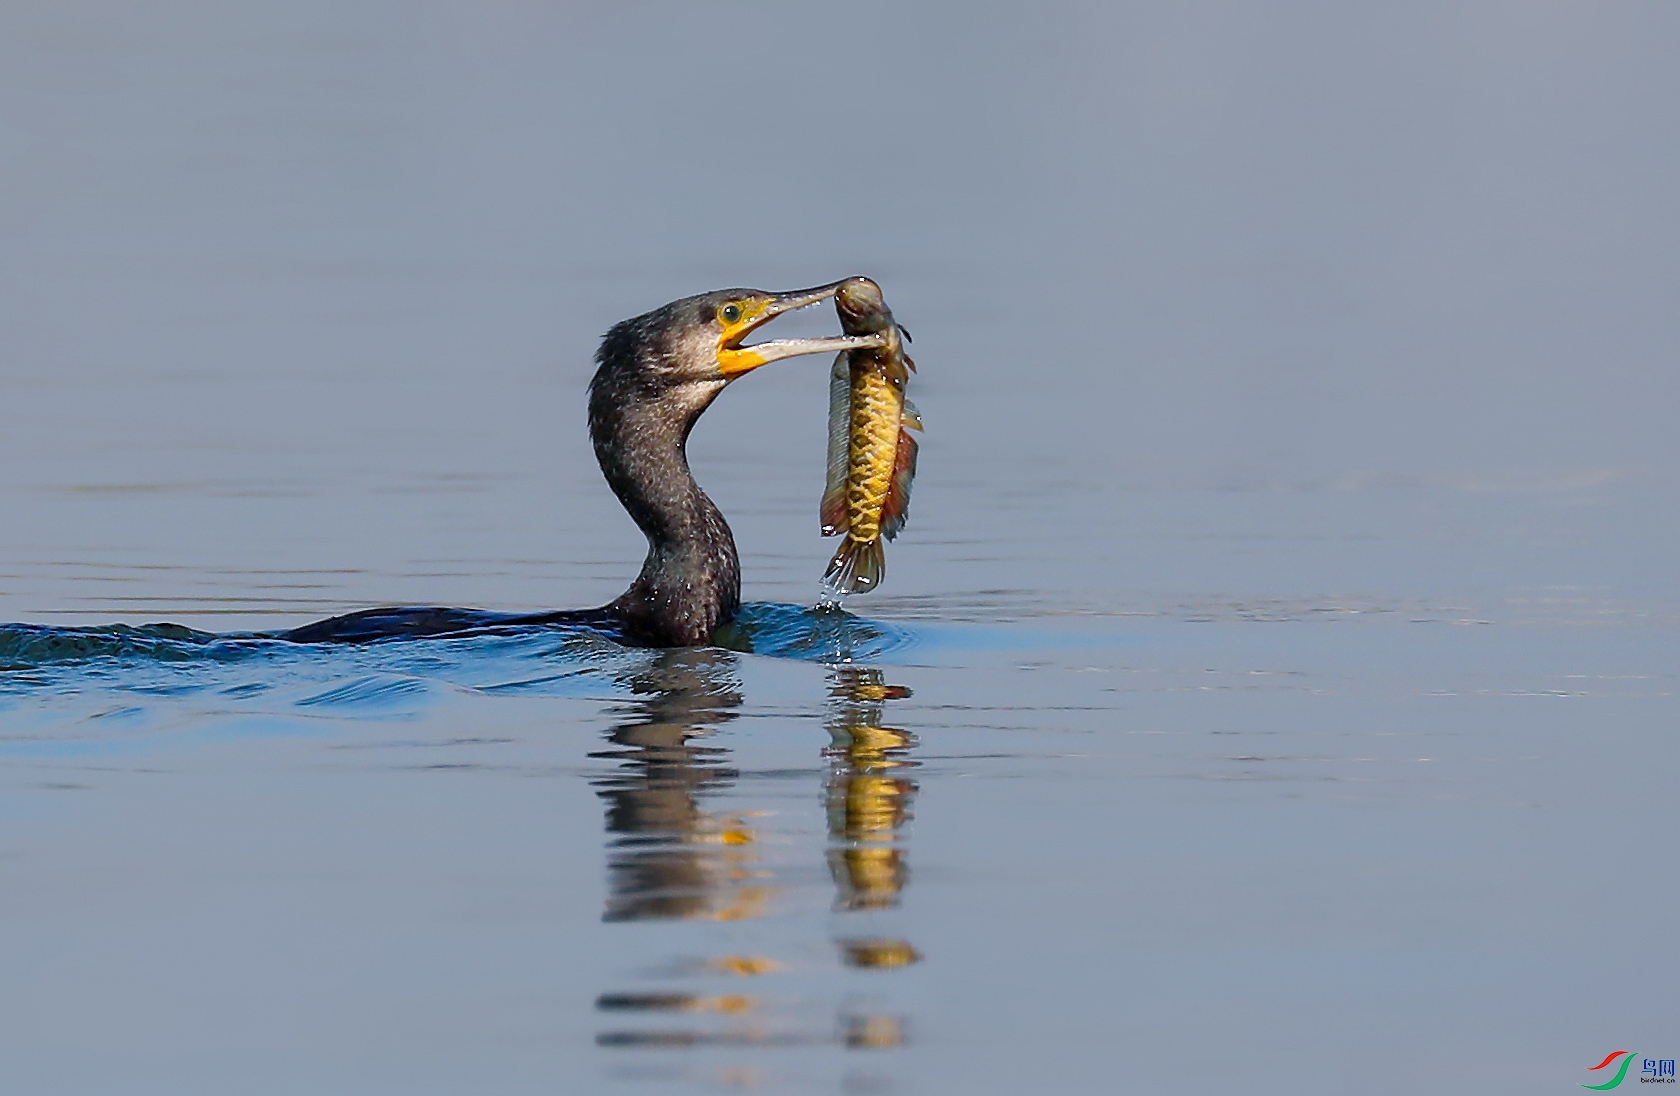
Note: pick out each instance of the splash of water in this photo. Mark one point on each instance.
(832, 598)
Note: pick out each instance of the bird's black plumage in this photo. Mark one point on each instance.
(643, 402)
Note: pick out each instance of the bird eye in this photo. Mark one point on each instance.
(730, 313)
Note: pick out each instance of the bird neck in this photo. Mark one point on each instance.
(691, 579)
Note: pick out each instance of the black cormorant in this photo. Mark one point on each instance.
(656, 374)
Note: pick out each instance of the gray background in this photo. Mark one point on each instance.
(314, 287)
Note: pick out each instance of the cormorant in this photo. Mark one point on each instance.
(656, 374)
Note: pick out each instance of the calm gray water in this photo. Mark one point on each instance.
(1274, 689)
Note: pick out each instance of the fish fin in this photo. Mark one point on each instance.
(896, 510)
(832, 511)
(910, 418)
(908, 361)
(834, 516)
(857, 567)
(905, 331)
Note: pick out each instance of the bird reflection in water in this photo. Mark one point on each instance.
(669, 858)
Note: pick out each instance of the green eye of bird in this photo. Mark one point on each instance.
(731, 313)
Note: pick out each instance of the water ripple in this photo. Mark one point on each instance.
(162, 660)
(381, 691)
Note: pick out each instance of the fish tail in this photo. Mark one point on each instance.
(857, 567)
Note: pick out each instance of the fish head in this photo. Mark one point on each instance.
(862, 306)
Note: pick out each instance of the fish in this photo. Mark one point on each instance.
(871, 453)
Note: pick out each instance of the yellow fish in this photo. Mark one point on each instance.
(871, 455)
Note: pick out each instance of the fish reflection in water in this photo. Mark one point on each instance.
(869, 799)
(670, 858)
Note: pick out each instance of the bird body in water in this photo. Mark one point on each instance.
(655, 375)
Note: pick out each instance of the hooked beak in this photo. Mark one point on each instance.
(735, 359)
